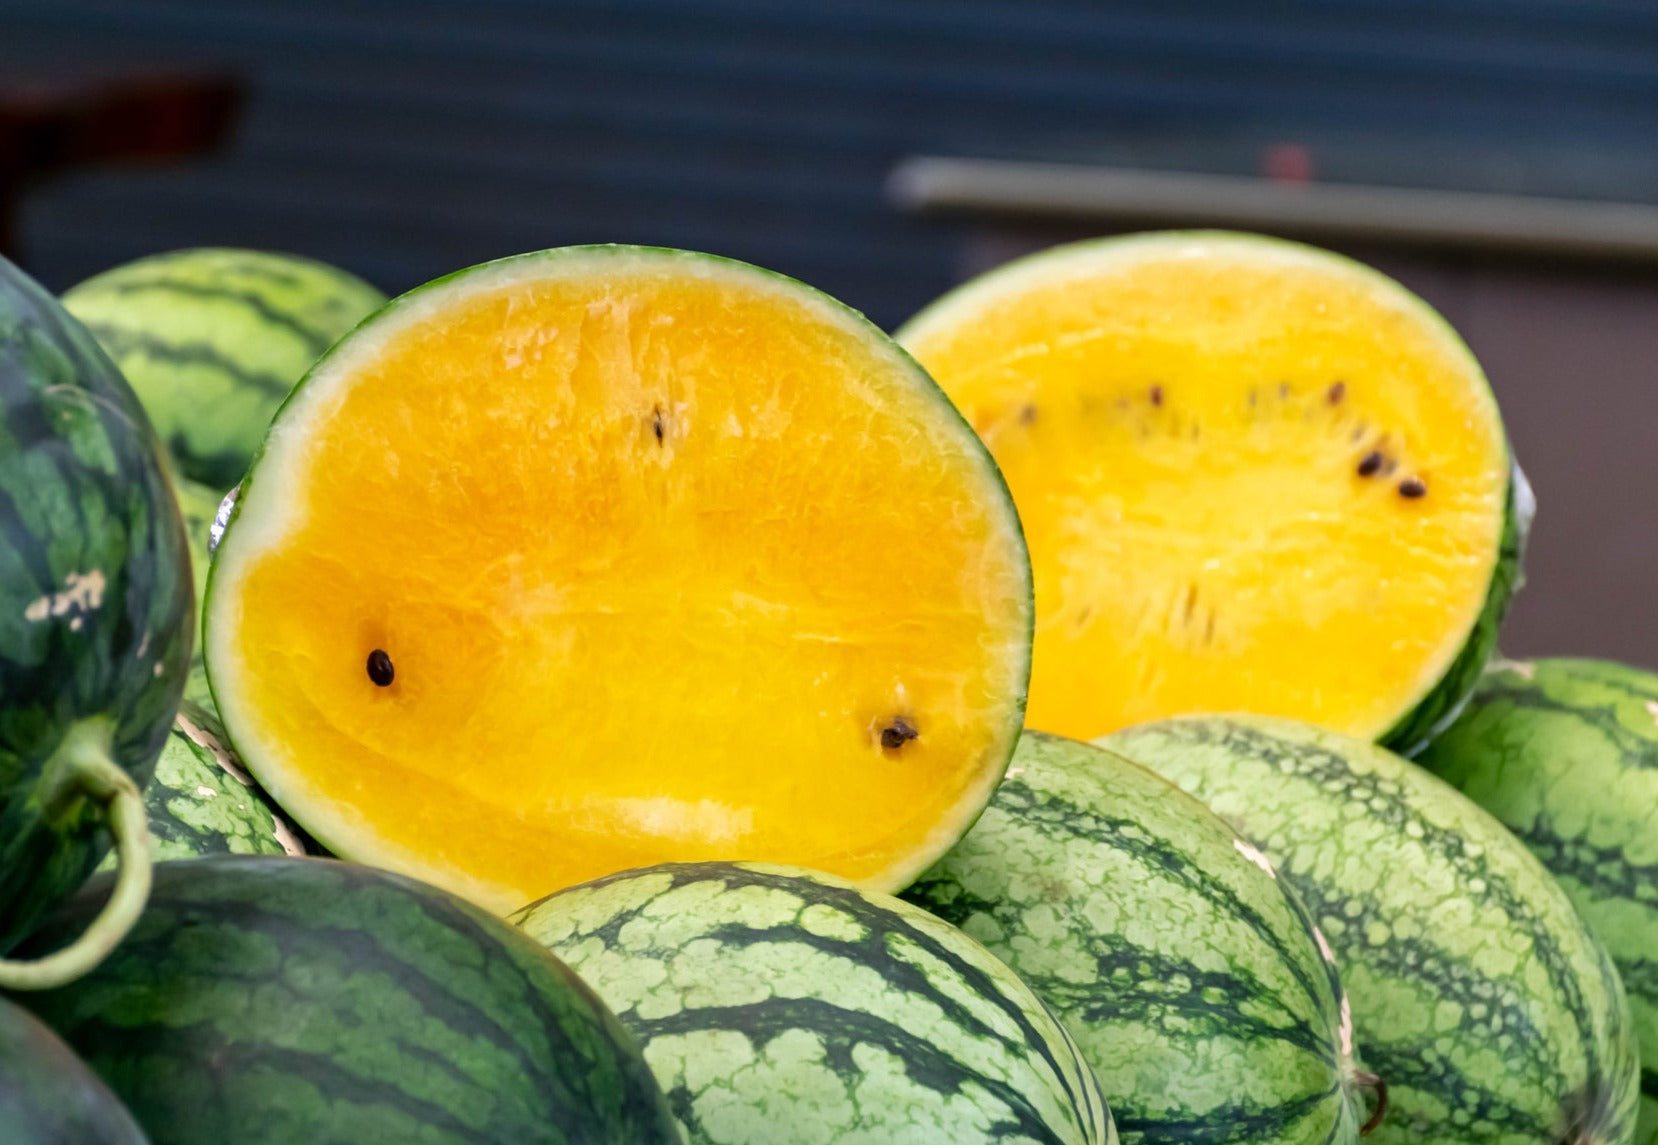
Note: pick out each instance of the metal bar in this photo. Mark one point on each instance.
(1111, 197)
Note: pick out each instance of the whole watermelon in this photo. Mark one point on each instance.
(780, 1005)
(1188, 973)
(96, 613)
(1478, 993)
(1565, 753)
(270, 1001)
(48, 1096)
(213, 339)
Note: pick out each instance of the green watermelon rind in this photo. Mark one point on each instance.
(251, 321)
(1479, 995)
(1444, 692)
(1564, 752)
(1231, 1020)
(200, 802)
(96, 632)
(776, 1003)
(270, 1001)
(341, 835)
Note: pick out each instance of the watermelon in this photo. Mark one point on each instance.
(1254, 476)
(1565, 753)
(95, 630)
(201, 801)
(1478, 993)
(682, 559)
(48, 1096)
(1186, 971)
(271, 1001)
(213, 339)
(777, 1004)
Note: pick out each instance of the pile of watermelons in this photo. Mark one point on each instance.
(507, 713)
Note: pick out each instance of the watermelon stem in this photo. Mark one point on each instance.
(1372, 1081)
(83, 770)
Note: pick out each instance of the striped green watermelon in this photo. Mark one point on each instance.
(95, 617)
(1477, 991)
(202, 802)
(1565, 753)
(48, 1096)
(268, 1001)
(778, 1005)
(213, 339)
(1188, 974)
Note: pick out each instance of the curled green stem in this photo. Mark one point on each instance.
(1372, 1082)
(90, 773)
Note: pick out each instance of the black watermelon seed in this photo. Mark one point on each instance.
(1412, 487)
(380, 668)
(656, 424)
(1371, 464)
(898, 733)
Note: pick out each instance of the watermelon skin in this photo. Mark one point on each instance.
(95, 621)
(268, 1000)
(1479, 995)
(202, 802)
(1188, 974)
(1565, 753)
(777, 1004)
(212, 340)
(1445, 700)
(48, 1096)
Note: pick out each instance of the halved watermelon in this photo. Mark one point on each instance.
(1255, 476)
(600, 557)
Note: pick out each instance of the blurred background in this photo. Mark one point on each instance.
(1499, 156)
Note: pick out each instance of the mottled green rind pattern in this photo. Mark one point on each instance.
(776, 1005)
(1184, 969)
(1565, 753)
(1478, 994)
(84, 505)
(201, 802)
(48, 1096)
(1445, 699)
(213, 339)
(268, 1001)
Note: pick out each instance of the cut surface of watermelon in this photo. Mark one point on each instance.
(1254, 476)
(605, 556)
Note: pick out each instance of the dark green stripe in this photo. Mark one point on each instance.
(927, 1065)
(121, 342)
(1229, 1125)
(1123, 834)
(118, 1052)
(314, 340)
(1404, 1066)
(1605, 872)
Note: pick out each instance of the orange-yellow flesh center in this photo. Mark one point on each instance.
(1246, 485)
(666, 568)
